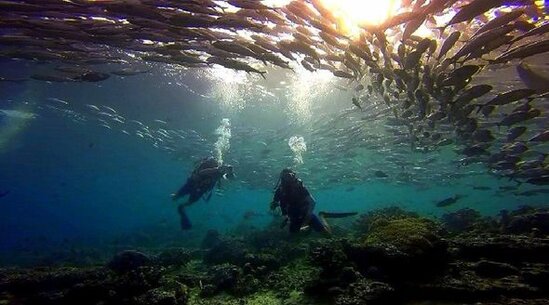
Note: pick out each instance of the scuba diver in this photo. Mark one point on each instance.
(297, 205)
(203, 179)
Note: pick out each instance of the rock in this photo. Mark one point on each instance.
(225, 277)
(536, 275)
(45, 298)
(182, 295)
(208, 290)
(129, 260)
(264, 261)
(138, 281)
(88, 293)
(400, 249)
(324, 287)
(330, 256)
(494, 269)
(174, 257)
(538, 221)
(157, 297)
(469, 288)
(505, 248)
(230, 251)
(211, 239)
(348, 275)
(367, 292)
(460, 220)
(365, 221)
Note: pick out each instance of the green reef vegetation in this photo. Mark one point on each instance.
(390, 256)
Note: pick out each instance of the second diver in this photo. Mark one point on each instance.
(200, 184)
(297, 205)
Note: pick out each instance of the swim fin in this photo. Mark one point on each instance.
(336, 215)
(185, 221)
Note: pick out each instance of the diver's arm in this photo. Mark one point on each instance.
(284, 208)
(276, 199)
(310, 202)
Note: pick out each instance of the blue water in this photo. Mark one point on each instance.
(79, 184)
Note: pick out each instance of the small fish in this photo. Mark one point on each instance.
(482, 188)
(380, 174)
(92, 77)
(356, 103)
(252, 214)
(510, 96)
(448, 44)
(129, 71)
(543, 180)
(508, 188)
(343, 74)
(449, 201)
(460, 75)
(4, 193)
(58, 100)
(93, 107)
(518, 117)
(475, 150)
(499, 21)
(540, 137)
(472, 10)
(533, 79)
(109, 108)
(532, 192)
(515, 132)
(137, 122)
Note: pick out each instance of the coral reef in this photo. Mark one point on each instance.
(525, 220)
(393, 257)
(365, 221)
(465, 220)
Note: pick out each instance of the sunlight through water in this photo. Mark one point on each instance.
(303, 89)
(353, 13)
(229, 86)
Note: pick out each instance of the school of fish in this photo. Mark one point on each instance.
(430, 90)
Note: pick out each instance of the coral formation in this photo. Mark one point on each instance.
(393, 257)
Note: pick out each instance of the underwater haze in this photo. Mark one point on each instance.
(434, 148)
(72, 178)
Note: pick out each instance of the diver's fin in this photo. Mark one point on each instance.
(336, 215)
(185, 221)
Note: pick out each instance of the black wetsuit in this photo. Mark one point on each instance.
(197, 185)
(296, 202)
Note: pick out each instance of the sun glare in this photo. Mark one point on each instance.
(350, 14)
(353, 13)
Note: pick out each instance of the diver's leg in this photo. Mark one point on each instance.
(295, 225)
(184, 219)
(319, 224)
(183, 190)
(193, 197)
(185, 222)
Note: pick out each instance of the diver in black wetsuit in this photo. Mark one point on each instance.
(297, 205)
(202, 180)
